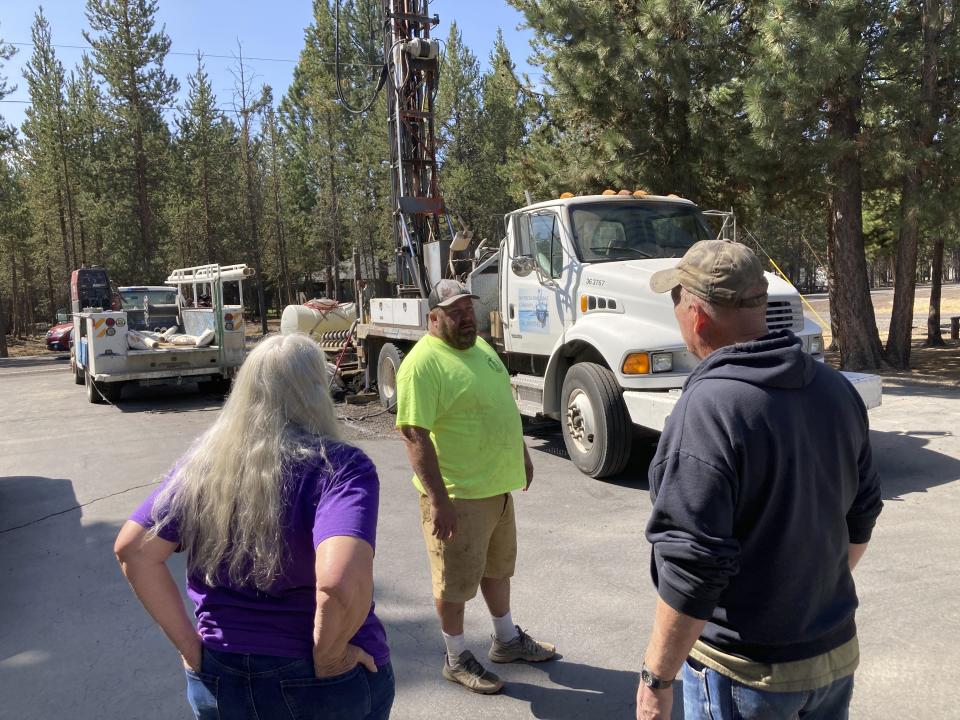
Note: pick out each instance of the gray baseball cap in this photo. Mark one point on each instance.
(718, 271)
(447, 292)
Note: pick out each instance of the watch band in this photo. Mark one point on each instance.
(652, 680)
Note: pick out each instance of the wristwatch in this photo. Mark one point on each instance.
(652, 680)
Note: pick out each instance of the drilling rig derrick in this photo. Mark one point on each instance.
(412, 57)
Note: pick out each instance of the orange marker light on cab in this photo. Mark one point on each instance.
(636, 364)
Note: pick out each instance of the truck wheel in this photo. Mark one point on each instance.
(111, 391)
(218, 386)
(78, 374)
(596, 427)
(387, 365)
(93, 395)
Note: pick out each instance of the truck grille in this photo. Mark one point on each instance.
(784, 314)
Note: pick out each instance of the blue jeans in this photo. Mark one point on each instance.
(231, 686)
(708, 695)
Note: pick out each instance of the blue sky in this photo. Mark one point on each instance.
(266, 30)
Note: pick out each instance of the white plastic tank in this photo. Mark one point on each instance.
(317, 318)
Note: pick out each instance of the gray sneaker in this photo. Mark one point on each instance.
(471, 674)
(522, 647)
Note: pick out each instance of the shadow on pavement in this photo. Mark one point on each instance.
(899, 387)
(547, 437)
(585, 692)
(906, 465)
(26, 500)
(72, 628)
(164, 399)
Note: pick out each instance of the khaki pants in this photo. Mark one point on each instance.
(484, 545)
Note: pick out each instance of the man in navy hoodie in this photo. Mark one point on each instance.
(764, 497)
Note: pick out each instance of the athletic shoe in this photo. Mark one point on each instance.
(522, 647)
(471, 674)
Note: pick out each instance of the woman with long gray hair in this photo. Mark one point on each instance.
(278, 521)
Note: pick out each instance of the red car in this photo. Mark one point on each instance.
(58, 337)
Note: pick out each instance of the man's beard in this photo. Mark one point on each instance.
(461, 339)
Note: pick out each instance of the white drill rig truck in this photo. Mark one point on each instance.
(564, 299)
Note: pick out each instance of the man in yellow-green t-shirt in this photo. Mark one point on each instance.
(462, 430)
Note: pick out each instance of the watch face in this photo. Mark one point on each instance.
(652, 681)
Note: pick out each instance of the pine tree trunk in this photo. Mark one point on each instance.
(51, 297)
(143, 204)
(831, 279)
(335, 201)
(29, 314)
(934, 338)
(69, 260)
(850, 304)
(3, 328)
(905, 282)
(83, 242)
(68, 187)
(254, 223)
(17, 320)
(207, 224)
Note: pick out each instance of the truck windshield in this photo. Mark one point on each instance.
(630, 230)
(133, 299)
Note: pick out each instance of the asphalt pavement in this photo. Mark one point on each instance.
(75, 643)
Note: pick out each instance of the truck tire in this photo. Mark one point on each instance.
(218, 386)
(596, 426)
(111, 391)
(99, 393)
(78, 374)
(388, 362)
(93, 394)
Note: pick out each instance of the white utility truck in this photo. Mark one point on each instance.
(565, 299)
(566, 302)
(115, 347)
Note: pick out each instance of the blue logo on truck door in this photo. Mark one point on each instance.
(534, 312)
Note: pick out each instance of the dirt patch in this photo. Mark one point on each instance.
(929, 365)
(30, 347)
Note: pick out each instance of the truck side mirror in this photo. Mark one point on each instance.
(522, 266)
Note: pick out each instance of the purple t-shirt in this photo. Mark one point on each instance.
(338, 499)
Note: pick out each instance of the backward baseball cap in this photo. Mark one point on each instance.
(447, 292)
(718, 271)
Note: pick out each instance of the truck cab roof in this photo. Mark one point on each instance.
(592, 199)
(146, 288)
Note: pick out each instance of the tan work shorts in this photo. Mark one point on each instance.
(484, 545)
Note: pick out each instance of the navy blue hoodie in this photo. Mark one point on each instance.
(762, 477)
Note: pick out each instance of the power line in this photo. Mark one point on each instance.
(207, 55)
(162, 107)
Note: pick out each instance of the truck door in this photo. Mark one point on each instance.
(537, 306)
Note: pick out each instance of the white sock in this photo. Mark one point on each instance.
(503, 628)
(456, 646)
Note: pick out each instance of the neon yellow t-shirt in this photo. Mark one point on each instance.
(463, 398)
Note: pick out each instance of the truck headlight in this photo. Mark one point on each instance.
(661, 362)
(816, 345)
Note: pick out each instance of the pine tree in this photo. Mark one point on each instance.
(919, 44)
(91, 145)
(248, 106)
(6, 131)
(128, 53)
(204, 146)
(805, 93)
(52, 176)
(639, 94)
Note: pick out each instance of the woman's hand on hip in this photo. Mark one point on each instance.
(193, 656)
(347, 661)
